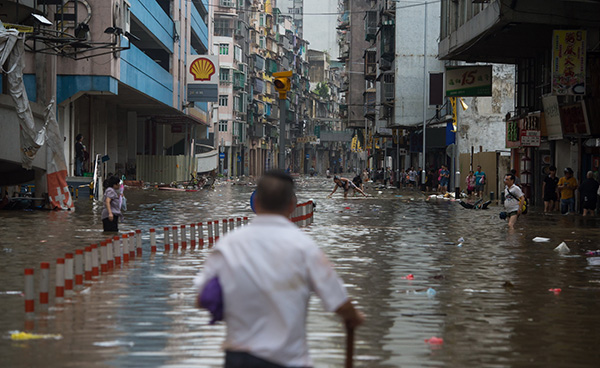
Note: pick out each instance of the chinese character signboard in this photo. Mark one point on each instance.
(568, 62)
(513, 136)
(469, 81)
(530, 130)
(524, 132)
(202, 77)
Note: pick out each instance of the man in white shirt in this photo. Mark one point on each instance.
(267, 271)
(513, 200)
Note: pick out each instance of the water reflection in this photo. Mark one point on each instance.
(143, 314)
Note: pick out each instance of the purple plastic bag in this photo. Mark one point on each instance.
(211, 298)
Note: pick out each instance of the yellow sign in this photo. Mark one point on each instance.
(568, 62)
(18, 27)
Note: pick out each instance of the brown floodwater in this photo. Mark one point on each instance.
(491, 305)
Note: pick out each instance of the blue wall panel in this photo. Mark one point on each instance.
(155, 19)
(142, 73)
(30, 87)
(68, 85)
(199, 27)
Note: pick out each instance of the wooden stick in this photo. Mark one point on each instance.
(349, 346)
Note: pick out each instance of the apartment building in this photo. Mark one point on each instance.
(117, 72)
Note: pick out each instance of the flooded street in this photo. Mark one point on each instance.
(492, 304)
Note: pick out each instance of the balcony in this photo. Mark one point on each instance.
(239, 80)
(370, 64)
(370, 100)
(344, 20)
(344, 52)
(385, 65)
(388, 41)
(388, 88)
(370, 25)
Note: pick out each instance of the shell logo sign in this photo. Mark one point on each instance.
(202, 69)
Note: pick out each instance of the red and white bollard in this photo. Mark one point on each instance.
(152, 240)
(138, 238)
(245, 220)
(238, 222)
(95, 268)
(167, 241)
(29, 292)
(117, 250)
(103, 260)
(88, 264)
(231, 224)
(79, 267)
(69, 272)
(183, 237)
(44, 282)
(60, 278)
(175, 238)
(216, 224)
(211, 239)
(192, 236)
(225, 226)
(132, 245)
(110, 258)
(200, 235)
(125, 240)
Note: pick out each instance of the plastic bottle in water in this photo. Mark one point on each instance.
(593, 253)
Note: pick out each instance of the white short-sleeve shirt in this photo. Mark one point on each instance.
(267, 271)
(511, 198)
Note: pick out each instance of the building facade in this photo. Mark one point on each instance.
(550, 124)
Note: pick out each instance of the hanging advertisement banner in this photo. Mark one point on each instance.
(469, 81)
(568, 62)
(552, 114)
(524, 132)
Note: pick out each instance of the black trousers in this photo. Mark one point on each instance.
(234, 359)
(111, 225)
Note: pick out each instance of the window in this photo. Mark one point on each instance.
(261, 42)
(223, 27)
(236, 129)
(237, 53)
(223, 99)
(224, 75)
(223, 125)
(226, 3)
(224, 49)
(261, 20)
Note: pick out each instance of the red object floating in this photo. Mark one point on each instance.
(435, 340)
(556, 291)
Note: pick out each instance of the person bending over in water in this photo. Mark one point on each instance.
(345, 184)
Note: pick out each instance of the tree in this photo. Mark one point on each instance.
(322, 90)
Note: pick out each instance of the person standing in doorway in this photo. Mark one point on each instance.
(480, 180)
(80, 153)
(513, 200)
(589, 190)
(549, 187)
(266, 272)
(567, 186)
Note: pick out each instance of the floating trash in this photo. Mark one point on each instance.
(562, 248)
(461, 240)
(434, 340)
(410, 276)
(539, 239)
(556, 291)
(115, 343)
(431, 292)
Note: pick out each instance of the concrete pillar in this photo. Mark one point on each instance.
(130, 137)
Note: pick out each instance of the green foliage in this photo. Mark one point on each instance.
(322, 90)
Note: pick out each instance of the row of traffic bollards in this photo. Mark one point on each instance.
(98, 259)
